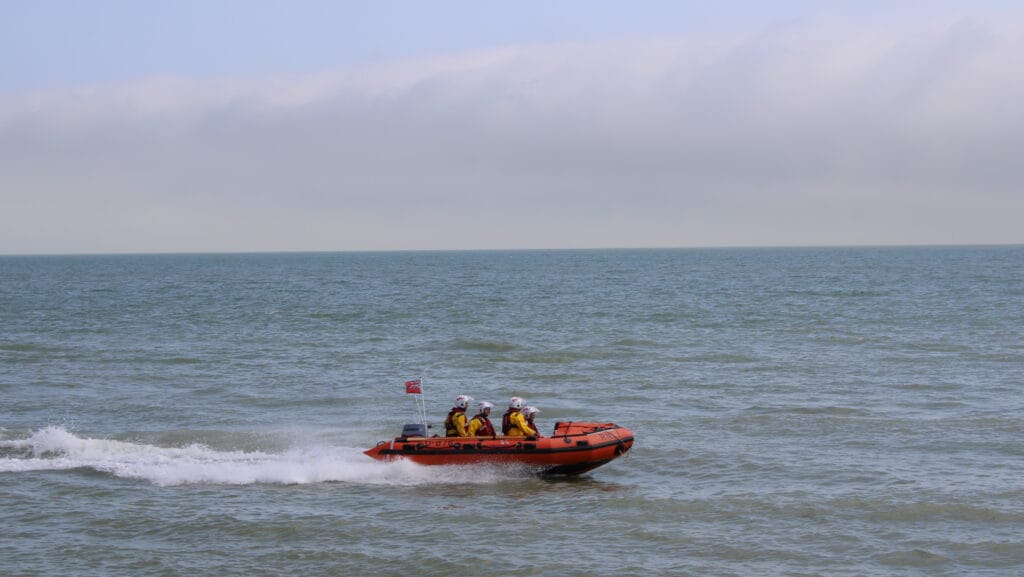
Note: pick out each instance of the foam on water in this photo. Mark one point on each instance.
(54, 448)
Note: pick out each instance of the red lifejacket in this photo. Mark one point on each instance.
(506, 421)
(486, 429)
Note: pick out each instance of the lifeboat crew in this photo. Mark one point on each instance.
(513, 423)
(480, 425)
(529, 413)
(455, 423)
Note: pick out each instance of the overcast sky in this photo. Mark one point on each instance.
(243, 126)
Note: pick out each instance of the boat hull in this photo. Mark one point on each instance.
(574, 448)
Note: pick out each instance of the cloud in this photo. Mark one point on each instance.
(796, 134)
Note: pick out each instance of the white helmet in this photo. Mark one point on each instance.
(530, 411)
(484, 405)
(463, 401)
(515, 403)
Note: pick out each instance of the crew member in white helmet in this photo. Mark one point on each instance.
(480, 425)
(530, 413)
(513, 424)
(456, 423)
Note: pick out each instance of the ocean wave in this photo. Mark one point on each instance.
(913, 558)
(667, 317)
(804, 410)
(339, 316)
(890, 511)
(546, 357)
(55, 449)
(928, 511)
(638, 343)
(173, 360)
(29, 348)
(482, 345)
(717, 358)
(841, 294)
(938, 347)
(997, 357)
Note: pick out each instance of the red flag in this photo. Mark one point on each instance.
(413, 387)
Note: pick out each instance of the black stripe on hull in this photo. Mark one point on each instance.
(576, 469)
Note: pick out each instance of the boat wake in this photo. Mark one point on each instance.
(54, 449)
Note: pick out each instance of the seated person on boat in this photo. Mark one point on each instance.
(456, 424)
(513, 423)
(480, 425)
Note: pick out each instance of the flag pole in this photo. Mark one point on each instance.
(422, 405)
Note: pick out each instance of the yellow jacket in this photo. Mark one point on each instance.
(455, 424)
(480, 425)
(519, 427)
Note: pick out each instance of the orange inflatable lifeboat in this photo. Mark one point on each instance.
(574, 448)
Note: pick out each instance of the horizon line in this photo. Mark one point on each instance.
(534, 249)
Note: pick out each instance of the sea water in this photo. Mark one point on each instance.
(851, 411)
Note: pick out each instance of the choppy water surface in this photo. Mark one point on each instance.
(797, 412)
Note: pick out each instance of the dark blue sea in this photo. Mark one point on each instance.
(797, 412)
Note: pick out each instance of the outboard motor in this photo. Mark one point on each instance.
(414, 430)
